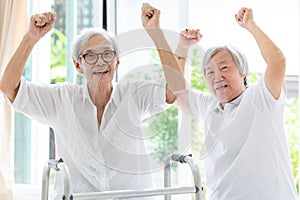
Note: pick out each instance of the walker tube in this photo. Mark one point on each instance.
(67, 182)
(45, 181)
(195, 171)
(133, 193)
(167, 190)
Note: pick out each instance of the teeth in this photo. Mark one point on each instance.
(101, 72)
(223, 86)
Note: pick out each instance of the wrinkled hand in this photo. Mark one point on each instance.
(150, 16)
(244, 17)
(40, 24)
(189, 37)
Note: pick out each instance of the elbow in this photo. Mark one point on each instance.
(278, 62)
(280, 66)
(8, 91)
(282, 62)
(2, 88)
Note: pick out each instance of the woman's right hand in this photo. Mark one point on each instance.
(150, 16)
(40, 24)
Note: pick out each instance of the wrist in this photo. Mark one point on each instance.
(181, 53)
(251, 25)
(154, 31)
(29, 39)
(181, 57)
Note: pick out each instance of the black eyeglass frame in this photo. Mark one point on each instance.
(98, 54)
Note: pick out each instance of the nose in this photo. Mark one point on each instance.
(218, 76)
(100, 61)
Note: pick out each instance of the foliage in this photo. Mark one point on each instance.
(198, 81)
(165, 141)
(292, 129)
(58, 57)
(161, 128)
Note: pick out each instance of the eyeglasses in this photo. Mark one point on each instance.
(92, 57)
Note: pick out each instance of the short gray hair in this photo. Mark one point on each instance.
(85, 35)
(238, 57)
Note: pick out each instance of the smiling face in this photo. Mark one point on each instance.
(101, 70)
(223, 77)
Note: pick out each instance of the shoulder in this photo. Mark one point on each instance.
(202, 97)
(259, 90)
(133, 84)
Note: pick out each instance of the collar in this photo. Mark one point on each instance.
(233, 103)
(86, 94)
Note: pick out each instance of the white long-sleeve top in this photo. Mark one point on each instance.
(109, 157)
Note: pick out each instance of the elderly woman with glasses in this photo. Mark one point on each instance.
(97, 124)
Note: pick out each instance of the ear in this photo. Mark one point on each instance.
(117, 64)
(77, 67)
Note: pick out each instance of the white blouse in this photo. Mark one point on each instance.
(109, 157)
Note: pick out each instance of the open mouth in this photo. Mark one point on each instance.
(221, 87)
(99, 73)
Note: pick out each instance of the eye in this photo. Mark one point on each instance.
(209, 73)
(90, 55)
(108, 53)
(224, 67)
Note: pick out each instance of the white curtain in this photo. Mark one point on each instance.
(13, 21)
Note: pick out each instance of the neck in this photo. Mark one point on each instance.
(223, 103)
(101, 95)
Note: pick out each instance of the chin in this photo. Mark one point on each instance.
(224, 100)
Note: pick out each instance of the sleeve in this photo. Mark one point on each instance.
(263, 99)
(199, 102)
(150, 97)
(40, 102)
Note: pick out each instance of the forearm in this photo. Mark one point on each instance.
(270, 52)
(171, 68)
(11, 77)
(181, 54)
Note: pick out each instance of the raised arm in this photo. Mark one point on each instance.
(276, 63)
(171, 68)
(38, 27)
(188, 38)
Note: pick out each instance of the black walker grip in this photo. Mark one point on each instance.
(180, 158)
